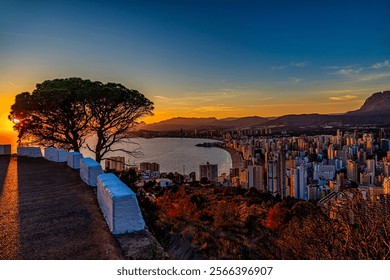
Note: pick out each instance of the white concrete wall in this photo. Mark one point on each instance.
(56, 155)
(34, 152)
(73, 159)
(89, 171)
(5, 149)
(119, 205)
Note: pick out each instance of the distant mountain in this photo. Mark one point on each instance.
(240, 122)
(179, 123)
(378, 103)
(203, 123)
(375, 110)
(303, 120)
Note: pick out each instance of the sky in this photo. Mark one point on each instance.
(202, 58)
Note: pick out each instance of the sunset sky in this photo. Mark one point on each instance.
(202, 58)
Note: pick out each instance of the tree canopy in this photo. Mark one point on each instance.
(63, 113)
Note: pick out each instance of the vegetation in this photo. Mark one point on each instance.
(231, 223)
(64, 112)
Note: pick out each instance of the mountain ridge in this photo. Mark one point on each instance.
(378, 104)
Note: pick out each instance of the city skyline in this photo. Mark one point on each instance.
(202, 59)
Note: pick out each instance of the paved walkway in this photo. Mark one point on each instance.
(47, 212)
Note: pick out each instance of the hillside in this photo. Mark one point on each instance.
(378, 104)
(241, 122)
(204, 123)
(375, 110)
(179, 123)
(209, 222)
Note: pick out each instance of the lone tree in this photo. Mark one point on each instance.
(114, 110)
(55, 114)
(63, 113)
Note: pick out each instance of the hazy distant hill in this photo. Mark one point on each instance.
(240, 122)
(179, 123)
(375, 110)
(304, 120)
(202, 123)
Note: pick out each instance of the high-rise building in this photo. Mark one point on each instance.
(299, 182)
(371, 169)
(150, 169)
(209, 171)
(352, 170)
(338, 164)
(147, 166)
(369, 147)
(272, 177)
(256, 177)
(115, 163)
(282, 174)
(385, 145)
(324, 172)
(331, 152)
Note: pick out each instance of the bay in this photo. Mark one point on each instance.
(175, 154)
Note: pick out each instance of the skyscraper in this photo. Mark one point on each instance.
(272, 177)
(371, 169)
(115, 163)
(299, 182)
(209, 171)
(256, 177)
(352, 170)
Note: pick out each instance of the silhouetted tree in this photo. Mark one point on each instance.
(55, 114)
(64, 112)
(115, 111)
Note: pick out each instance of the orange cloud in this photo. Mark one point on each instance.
(342, 98)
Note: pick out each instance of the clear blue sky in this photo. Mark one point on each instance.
(204, 58)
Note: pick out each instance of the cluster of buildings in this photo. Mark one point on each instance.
(303, 167)
(147, 170)
(150, 171)
(311, 167)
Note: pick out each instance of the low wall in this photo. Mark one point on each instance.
(34, 152)
(119, 205)
(89, 171)
(73, 159)
(56, 155)
(5, 149)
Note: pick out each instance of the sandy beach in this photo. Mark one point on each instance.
(237, 160)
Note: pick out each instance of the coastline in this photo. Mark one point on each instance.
(237, 160)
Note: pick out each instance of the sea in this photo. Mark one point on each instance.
(175, 154)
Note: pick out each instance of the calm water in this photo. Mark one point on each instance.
(176, 154)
